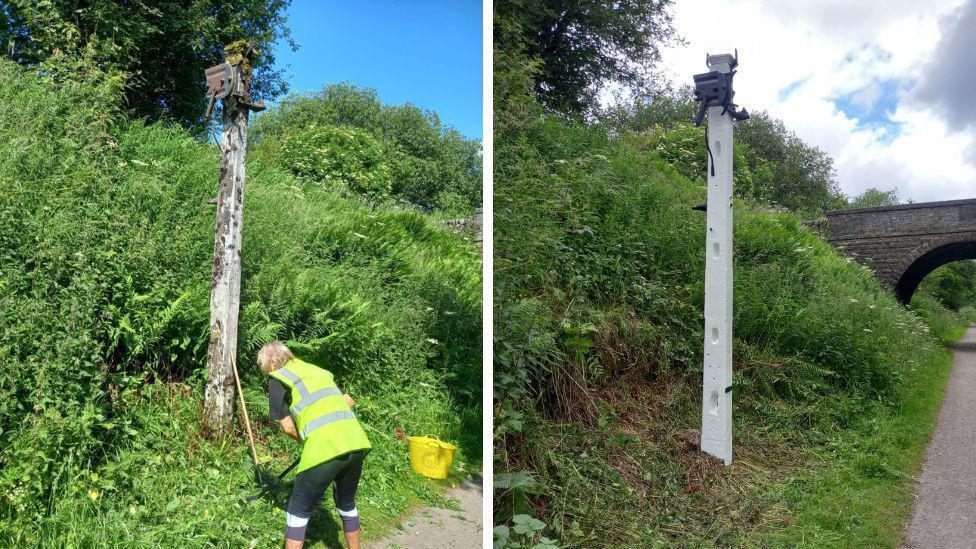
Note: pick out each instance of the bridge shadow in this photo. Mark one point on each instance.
(966, 347)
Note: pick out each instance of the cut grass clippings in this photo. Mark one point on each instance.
(827, 486)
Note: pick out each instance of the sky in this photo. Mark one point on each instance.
(425, 52)
(887, 88)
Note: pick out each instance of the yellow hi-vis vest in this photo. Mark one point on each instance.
(326, 425)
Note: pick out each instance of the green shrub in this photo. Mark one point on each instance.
(343, 157)
(393, 151)
(968, 313)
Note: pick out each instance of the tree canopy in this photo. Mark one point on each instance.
(383, 151)
(953, 284)
(585, 44)
(161, 48)
(873, 198)
(801, 176)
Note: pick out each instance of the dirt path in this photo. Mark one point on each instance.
(435, 527)
(945, 497)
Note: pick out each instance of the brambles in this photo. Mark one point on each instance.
(343, 157)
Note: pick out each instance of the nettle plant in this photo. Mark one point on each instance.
(526, 531)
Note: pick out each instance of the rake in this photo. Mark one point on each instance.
(265, 486)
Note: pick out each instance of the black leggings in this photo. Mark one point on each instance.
(310, 486)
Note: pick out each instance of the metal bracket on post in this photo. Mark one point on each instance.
(714, 90)
(244, 98)
(224, 80)
(221, 82)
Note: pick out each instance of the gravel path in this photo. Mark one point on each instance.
(434, 527)
(945, 508)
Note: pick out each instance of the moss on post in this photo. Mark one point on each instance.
(240, 53)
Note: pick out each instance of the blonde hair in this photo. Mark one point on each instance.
(273, 355)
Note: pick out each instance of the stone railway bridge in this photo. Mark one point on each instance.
(904, 243)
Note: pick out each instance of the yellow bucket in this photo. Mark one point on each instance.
(430, 456)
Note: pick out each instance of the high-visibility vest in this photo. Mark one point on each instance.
(326, 425)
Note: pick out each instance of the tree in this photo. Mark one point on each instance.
(872, 198)
(802, 176)
(953, 284)
(585, 44)
(162, 48)
(667, 106)
(399, 151)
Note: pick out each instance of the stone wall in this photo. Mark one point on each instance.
(908, 238)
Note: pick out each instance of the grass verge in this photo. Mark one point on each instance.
(861, 494)
(845, 481)
(180, 488)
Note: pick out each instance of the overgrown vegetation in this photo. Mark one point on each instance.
(345, 139)
(158, 49)
(106, 241)
(772, 165)
(953, 284)
(598, 331)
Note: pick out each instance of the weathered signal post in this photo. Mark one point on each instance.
(231, 83)
(714, 90)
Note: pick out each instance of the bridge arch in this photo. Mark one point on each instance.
(904, 243)
(928, 262)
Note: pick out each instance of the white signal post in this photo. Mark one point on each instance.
(716, 431)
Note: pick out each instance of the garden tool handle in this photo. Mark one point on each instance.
(247, 420)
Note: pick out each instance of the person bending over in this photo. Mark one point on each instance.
(311, 409)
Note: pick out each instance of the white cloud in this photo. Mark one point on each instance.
(825, 50)
(948, 79)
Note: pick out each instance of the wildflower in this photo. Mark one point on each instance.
(93, 495)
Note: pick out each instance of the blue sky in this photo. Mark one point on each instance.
(425, 52)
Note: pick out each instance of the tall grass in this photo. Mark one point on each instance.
(598, 331)
(106, 238)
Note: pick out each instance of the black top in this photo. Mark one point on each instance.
(279, 398)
